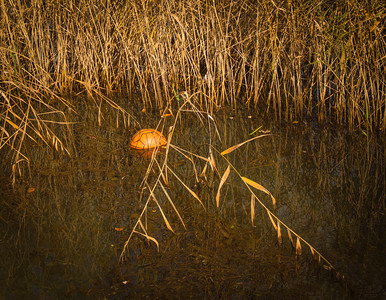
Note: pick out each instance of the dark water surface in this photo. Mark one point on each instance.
(63, 239)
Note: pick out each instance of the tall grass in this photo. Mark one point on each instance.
(291, 59)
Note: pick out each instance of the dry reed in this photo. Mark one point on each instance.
(291, 59)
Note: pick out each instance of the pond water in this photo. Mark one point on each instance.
(63, 229)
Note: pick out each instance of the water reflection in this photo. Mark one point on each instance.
(66, 236)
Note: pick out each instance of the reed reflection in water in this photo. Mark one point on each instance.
(65, 237)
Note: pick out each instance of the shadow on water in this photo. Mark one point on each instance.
(65, 237)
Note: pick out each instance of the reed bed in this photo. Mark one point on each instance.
(290, 59)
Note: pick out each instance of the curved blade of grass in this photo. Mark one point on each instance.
(314, 253)
(298, 247)
(223, 179)
(272, 221)
(149, 238)
(255, 185)
(279, 237)
(260, 188)
(252, 209)
(291, 239)
(231, 149)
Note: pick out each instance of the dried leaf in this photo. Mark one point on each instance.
(290, 237)
(314, 254)
(252, 209)
(279, 237)
(223, 179)
(211, 160)
(298, 247)
(149, 238)
(55, 143)
(231, 149)
(273, 201)
(255, 185)
(260, 188)
(202, 175)
(204, 169)
(273, 222)
(141, 225)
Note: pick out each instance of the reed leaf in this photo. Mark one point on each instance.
(212, 161)
(290, 238)
(255, 185)
(149, 238)
(272, 221)
(279, 237)
(298, 247)
(223, 179)
(315, 256)
(233, 148)
(252, 209)
(260, 188)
